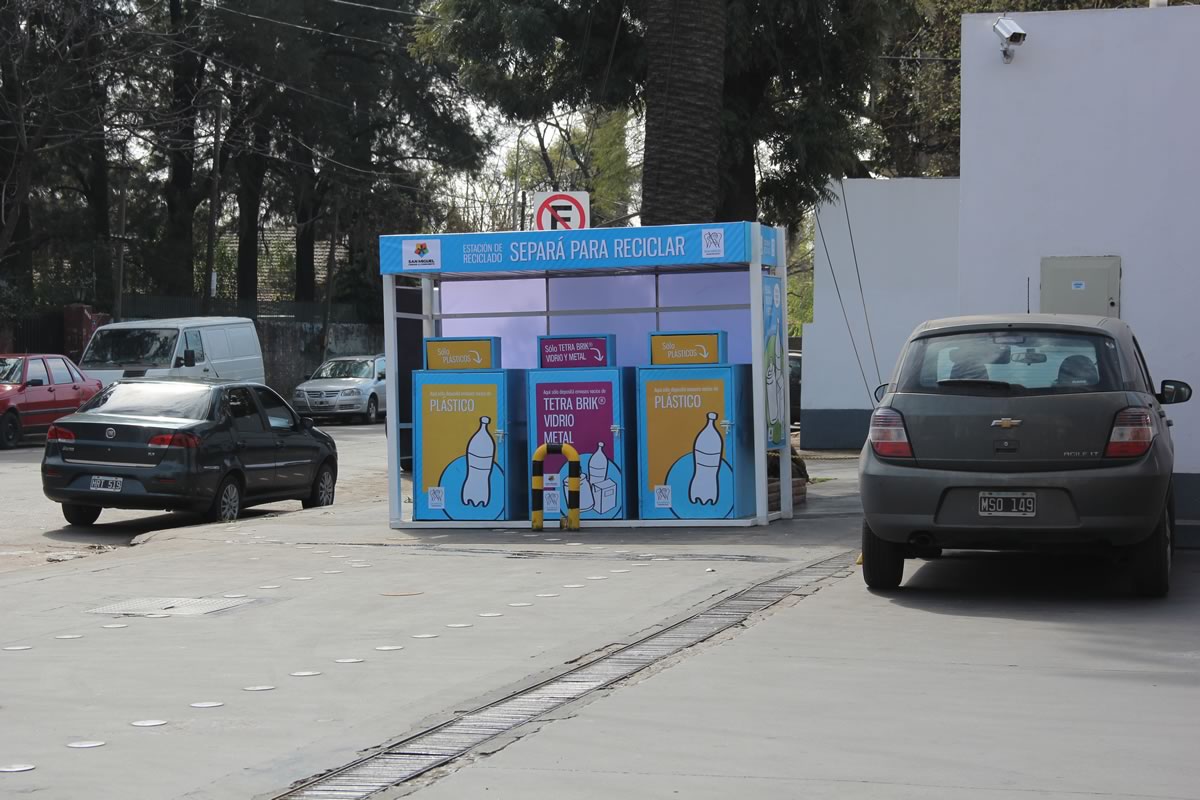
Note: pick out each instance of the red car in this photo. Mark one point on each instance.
(37, 389)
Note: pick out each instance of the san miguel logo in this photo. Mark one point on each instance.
(424, 255)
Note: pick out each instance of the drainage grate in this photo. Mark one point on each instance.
(425, 751)
(172, 606)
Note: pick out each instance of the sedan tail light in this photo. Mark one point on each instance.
(58, 433)
(888, 437)
(186, 441)
(1131, 434)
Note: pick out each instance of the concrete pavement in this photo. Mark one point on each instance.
(1007, 677)
(607, 587)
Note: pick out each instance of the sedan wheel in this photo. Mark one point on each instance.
(372, 410)
(83, 516)
(10, 431)
(883, 561)
(227, 505)
(1152, 565)
(323, 489)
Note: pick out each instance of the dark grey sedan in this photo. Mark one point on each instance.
(184, 445)
(1030, 432)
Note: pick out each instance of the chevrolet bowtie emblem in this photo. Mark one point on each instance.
(1006, 423)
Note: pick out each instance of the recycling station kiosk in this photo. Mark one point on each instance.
(658, 353)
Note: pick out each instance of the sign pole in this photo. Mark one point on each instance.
(758, 374)
(785, 457)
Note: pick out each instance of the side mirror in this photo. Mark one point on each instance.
(880, 391)
(33, 383)
(383, 376)
(1174, 392)
(307, 423)
(308, 376)
(189, 358)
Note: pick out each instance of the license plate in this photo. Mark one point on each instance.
(100, 484)
(324, 403)
(1008, 504)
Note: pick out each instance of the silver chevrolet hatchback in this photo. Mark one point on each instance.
(1020, 432)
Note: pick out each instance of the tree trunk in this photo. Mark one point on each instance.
(252, 169)
(739, 183)
(175, 263)
(306, 228)
(685, 78)
(98, 208)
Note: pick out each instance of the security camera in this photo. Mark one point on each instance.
(1011, 35)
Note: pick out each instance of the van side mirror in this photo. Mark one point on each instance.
(189, 358)
(1174, 392)
(382, 375)
(880, 391)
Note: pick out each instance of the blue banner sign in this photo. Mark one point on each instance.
(590, 248)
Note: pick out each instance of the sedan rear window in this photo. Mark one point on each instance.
(1019, 362)
(174, 400)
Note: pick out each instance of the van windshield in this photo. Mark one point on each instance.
(131, 347)
(1009, 361)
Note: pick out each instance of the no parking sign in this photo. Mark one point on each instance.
(556, 211)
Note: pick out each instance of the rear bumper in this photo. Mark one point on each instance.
(169, 489)
(1114, 506)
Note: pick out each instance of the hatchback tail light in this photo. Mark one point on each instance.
(59, 434)
(1131, 434)
(186, 441)
(888, 437)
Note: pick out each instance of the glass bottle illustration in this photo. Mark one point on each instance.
(706, 464)
(586, 498)
(598, 464)
(481, 453)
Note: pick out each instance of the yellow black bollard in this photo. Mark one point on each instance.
(573, 474)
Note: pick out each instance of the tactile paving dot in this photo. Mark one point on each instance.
(85, 745)
(425, 636)
(257, 688)
(331, 572)
(304, 673)
(17, 767)
(573, 585)
(491, 614)
(387, 648)
(320, 551)
(302, 578)
(618, 570)
(519, 605)
(19, 647)
(148, 723)
(459, 625)
(115, 625)
(546, 594)
(70, 636)
(206, 704)
(270, 586)
(347, 661)
(597, 577)
(233, 596)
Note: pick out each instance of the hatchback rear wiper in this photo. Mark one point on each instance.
(980, 382)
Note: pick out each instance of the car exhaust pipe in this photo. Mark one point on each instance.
(921, 540)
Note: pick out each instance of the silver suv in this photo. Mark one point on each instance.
(347, 387)
(1031, 431)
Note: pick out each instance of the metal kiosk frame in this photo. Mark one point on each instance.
(751, 248)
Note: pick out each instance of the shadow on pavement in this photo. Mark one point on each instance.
(119, 533)
(1041, 587)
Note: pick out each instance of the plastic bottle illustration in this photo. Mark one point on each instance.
(481, 453)
(773, 398)
(705, 487)
(598, 464)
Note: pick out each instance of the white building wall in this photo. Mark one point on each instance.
(906, 236)
(1088, 143)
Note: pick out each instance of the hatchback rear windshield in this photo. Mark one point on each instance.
(1011, 362)
(177, 401)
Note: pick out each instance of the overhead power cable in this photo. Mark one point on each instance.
(296, 25)
(416, 14)
(845, 316)
(862, 296)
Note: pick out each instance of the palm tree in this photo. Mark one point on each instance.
(685, 78)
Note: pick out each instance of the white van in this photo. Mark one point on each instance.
(191, 347)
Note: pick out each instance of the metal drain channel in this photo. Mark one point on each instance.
(425, 751)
